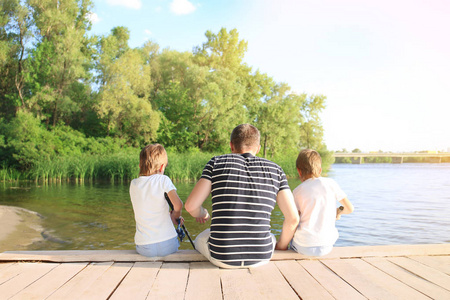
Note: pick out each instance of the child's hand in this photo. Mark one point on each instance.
(175, 216)
(278, 247)
(339, 211)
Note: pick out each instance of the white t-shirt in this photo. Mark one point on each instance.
(316, 200)
(151, 211)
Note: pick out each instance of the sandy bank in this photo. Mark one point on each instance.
(19, 228)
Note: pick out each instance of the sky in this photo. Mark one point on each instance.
(384, 66)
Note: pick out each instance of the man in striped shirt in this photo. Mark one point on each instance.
(245, 189)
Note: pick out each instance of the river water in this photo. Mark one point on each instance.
(394, 204)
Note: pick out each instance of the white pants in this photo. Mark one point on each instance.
(202, 246)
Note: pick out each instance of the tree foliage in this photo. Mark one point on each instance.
(65, 92)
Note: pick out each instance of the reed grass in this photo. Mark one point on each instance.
(122, 167)
(9, 174)
(187, 166)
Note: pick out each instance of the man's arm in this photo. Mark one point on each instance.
(196, 198)
(285, 201)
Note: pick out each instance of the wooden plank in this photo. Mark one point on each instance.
(431, 290)
(271, 282)
(441, 263)
(170, 282)
(337, 287)
(138, 281)
(301, 281)
(98, 256)
(194, 256)
(81, 282)
(238, 284)
(426, 272)
(12, 271)
(5, 265)
(370, 281)
(388, 250)
(50, 282)
(204, 282)
(104, 286)
(265, 282)
(31, 273)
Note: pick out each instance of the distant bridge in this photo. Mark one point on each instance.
(397, 158)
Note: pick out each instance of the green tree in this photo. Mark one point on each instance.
(202, 96)
(60, 58)
(222, 50)
(15, 24)
(109, 49)
(278, 118)
(124, 95)
(26, 141)
(311, 129)
(224, 95)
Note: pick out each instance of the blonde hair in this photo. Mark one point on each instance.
(309, 162)
(152, 157)
(245, 136)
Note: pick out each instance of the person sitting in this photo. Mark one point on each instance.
(316, 199)
(155, 233)
(244, 189)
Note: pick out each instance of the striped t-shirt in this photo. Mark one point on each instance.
(244, 190)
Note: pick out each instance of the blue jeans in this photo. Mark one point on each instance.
(159, 249)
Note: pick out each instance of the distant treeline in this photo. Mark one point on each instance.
(71, 100)
(368, 160)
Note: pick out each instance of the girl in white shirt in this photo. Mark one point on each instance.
(316, 198)
(155, 233)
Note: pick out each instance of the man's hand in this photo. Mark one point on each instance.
(195, 200)
(203, 219)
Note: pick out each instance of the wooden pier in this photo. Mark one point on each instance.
(376, 272)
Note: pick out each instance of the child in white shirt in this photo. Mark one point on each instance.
(155, 233)
(316, 198)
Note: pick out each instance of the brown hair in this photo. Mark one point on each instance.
(245, 136)
(309, 162)
(151, 159)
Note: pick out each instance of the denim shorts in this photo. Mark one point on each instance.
(159, 249)
(312, 251)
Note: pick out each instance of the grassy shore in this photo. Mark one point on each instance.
(115, 168)
(125, 166)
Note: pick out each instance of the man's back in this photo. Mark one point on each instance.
(244, 192)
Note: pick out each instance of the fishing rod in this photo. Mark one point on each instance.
(180, 231)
